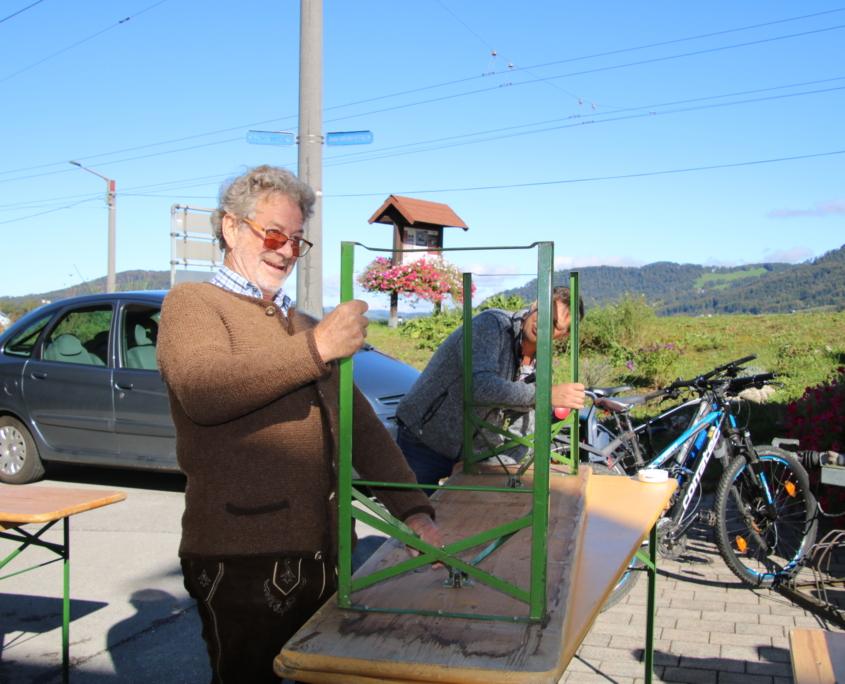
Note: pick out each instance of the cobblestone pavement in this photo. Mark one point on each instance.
(709, 628)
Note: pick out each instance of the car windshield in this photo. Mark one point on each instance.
(23, 343)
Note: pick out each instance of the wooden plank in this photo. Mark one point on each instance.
(35, 504)
(818, 656)
(619, 513)
(332, 678)
(461, 650)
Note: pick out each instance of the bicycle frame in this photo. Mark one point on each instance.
(696, 444)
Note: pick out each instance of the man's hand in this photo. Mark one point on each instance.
(568, 395)
(428, 531)
(341, 333)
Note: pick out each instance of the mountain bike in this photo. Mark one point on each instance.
(764, 510)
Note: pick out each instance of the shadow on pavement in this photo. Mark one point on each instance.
(115, 477)
(23, 616)
(37, 615)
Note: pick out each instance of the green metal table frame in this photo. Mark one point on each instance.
(63, 552)
(539, 442)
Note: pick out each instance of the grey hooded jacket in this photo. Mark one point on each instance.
(433, 407)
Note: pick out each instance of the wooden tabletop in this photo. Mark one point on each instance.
(596, 524)
(21, 504)
(818, 657)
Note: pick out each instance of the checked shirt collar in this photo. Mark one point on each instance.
(234, 282)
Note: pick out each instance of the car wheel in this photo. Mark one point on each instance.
(19, 459)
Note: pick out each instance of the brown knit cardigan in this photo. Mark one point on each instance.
(256, 416)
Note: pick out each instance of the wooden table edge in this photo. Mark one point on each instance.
(24, 518)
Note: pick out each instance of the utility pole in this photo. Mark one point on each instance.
(309, 276)
(111, 279)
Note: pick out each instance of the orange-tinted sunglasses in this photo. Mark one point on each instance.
(274, 239)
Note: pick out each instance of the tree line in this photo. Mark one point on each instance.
(679, 289)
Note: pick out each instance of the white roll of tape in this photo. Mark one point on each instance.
(653, 475)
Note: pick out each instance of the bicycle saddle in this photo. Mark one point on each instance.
(619, 404)
(609, 391)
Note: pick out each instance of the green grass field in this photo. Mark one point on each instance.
(803, 348)
(722, 280)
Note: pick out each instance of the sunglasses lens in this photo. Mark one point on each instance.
(275, 240)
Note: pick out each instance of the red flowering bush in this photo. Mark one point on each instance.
(817, 418)
(432, 280)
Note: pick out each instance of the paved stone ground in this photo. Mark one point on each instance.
(709, 628)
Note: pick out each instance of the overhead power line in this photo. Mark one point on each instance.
(459, 140)
(641, 112)
(20, 11)
(23, 218)
(595, 178)
(543, 183)
(591, 71)
(84, 40)
(511, 67)
(431, 87)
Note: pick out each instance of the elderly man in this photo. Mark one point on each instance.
(253, 388)
(504, 349)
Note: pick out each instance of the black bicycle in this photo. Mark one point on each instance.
(764, 511)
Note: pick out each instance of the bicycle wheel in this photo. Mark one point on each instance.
(756, 548)
(632, 575)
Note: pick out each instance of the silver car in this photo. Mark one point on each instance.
(79, 383)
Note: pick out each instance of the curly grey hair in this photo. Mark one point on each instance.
(239, 196)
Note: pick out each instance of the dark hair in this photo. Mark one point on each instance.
(563, 294)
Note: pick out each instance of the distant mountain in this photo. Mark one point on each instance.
(146, 280)
(125, 281)
(675, 289)
(691, 289)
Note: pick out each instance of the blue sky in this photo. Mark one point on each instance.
(589, 139)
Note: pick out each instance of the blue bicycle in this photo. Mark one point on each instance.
(764, 511)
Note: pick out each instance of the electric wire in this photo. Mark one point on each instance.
(451, 141)
(534, 184)
(84, 40)
(88, 158)
(367, 155)
(465, 25)
(510, 63)
(589, 71)
(23, 218)
(21, 11)
(597, 178)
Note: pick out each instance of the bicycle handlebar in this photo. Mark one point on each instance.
(702, 382)
(761, 379)
(730, 367)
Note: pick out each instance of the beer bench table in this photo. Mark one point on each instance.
(818, 657)
(27, 504)
(596, 525)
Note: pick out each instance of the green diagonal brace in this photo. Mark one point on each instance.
(430, 554)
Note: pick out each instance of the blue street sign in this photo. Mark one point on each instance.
(281, 138)
(349, 138)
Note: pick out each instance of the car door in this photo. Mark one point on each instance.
(142, 411)
(67, 388)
